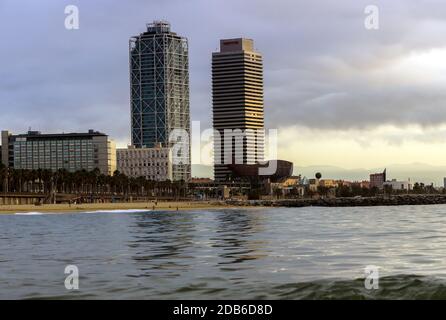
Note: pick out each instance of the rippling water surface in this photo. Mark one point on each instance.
(288, 253)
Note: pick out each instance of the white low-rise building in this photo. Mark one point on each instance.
(399, 185)
(152, 163)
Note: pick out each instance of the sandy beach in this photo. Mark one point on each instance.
(88, 207)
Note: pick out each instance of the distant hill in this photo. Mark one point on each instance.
(417, 172)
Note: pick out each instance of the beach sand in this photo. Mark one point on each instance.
(88, 207)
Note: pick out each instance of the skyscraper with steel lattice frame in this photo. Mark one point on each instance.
(237, 97)
(159, 91)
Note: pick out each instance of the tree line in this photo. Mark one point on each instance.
(84, 182)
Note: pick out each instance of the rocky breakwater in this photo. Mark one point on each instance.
(394, 200)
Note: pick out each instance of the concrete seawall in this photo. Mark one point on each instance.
(19, 199)
(396, 200)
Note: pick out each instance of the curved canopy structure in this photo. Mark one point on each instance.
(275, 170)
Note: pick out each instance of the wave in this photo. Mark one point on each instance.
(119, 210)
(93, 211)
(29, 213)
(399, 287)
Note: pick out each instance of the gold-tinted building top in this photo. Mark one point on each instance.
(238, 44)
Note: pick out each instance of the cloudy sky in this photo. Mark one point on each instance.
(338, 93)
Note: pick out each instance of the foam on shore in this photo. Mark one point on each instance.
(29, 213)
(119, 210)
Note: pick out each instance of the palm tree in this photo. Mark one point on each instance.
(4, 177)
(47, 178)
(83, 181)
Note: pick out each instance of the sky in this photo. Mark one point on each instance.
(339, 94)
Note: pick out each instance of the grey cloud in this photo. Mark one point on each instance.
(55, 80)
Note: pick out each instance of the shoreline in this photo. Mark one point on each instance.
(395, 200)
(89, 207)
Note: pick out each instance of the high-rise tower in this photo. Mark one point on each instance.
(237, 95)
(159, 91)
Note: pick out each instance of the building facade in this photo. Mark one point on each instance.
(328, 183)
(313, 184)
(292, 181)
(237, 97)
(378, 179)
(154, 164)
(159, 92)
(70, 151)
(398, 185)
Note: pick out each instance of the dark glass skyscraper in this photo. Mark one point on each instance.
(159, 90)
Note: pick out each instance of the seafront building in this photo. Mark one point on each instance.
(237, 97)
(154, 164)
(70, 151)
(159, 93)
(398, 185)
(328, 183)
(378, 179)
